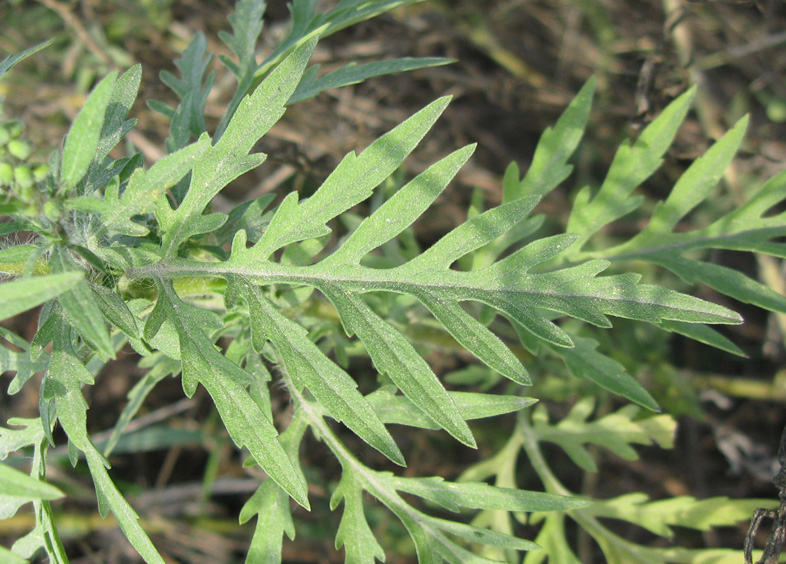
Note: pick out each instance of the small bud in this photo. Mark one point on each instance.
(15, 128)
(52, 211)
(40, 172)
(5, 135)
(6, 174)
(23, 177)
(19, 148)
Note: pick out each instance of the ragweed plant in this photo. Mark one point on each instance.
(126, 254)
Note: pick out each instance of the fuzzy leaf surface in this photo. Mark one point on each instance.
(226, 383)
(27, 293)
(229, 157)
(85, 134)
(332, 386)
(631, 166)
(353, 533)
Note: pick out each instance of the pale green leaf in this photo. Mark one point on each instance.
(6, 555)
(31, 432)
(14, 483)
(553, 538)
(679, 555)
(682, 511)
(21, 295)
(616, 432)
(85, 133)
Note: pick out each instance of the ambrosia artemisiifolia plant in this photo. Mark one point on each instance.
(126, 254)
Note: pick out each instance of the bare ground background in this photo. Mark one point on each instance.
(519, 63)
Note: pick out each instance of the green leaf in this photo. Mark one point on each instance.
(696, 183)
(400, 410)
(114, 308)
(271, 505)
(110, 498)
(682, 511)
(631, 166)
(81, 307)
(726, 280)
(85, 133)
(115, 127)
(246, 26)
(549, 166)
(27, 293)
(401, 210)
(393, 355)
(188, 120)
(159, 368)
(229, 157)
(349, 184)
(478, 495)
(354, 73)
(472, 235)
(615, 432)
(11, 60)
(482, 536)
(703, 334)
(63, 385)
(585, 362)
(225, 381)
(353, 533)
(147, 188)
(14, 483)
(335, 390)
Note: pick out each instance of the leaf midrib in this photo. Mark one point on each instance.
(380, 280)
